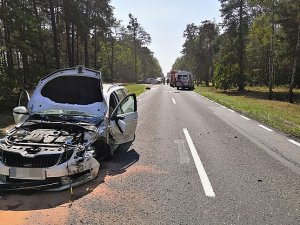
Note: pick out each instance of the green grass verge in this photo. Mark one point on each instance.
(138, 89)
(255, 104)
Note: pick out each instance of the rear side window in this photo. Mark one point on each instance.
(125, 92)
(73, 90)
(121, 94)
(113, 102)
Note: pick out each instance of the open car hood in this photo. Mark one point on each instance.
(76, 89)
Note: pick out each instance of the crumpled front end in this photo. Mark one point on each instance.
(46, 158)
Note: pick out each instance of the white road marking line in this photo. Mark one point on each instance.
(174, 101)
(231, 110)
(199, 166)
(223, 106)
(264, 127)
(170, 91)
(246, 118)
(294, 142)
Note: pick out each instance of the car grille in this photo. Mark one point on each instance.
(40, 161)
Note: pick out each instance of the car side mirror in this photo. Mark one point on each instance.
(20, 114)
(21, 96)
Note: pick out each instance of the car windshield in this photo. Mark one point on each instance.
(66, 115)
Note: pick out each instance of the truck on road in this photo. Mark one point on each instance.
(173, 78)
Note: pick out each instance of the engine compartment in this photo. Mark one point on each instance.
(42, 145)
(46, 136)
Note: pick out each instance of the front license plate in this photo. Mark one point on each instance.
(27, 173)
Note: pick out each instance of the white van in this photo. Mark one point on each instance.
(184, 80)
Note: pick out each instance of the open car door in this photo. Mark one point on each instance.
(124, 120)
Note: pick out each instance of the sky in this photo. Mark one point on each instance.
(165, 21)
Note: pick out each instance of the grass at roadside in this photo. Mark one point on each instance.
(136, 88)
(254, 103)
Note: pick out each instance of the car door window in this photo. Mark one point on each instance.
(125, 92)
(113, 102)
(120, 93)
(127, 106)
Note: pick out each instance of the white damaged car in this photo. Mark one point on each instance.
(71, 118)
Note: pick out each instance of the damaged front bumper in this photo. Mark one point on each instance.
(56, 178)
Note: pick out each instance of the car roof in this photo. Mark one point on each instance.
(108, 88)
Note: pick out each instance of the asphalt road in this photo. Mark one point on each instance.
(193, 162)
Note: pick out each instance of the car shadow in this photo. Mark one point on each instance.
(34, 200)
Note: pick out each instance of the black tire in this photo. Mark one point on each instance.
(177, 88)
(107, 154)
(103, 151)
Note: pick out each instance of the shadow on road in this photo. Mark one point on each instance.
(34, 200)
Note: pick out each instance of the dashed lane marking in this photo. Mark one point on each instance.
(264, 127)
(246, 118)
(174, 102)
(294, 142)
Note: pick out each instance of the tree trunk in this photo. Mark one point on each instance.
(18, 58)
(241, 79)
(77, 48)
(73, 46)
(68, 42)
(271, 57)
(95, 49)
(296, 59)
(25, 68)
(40, 35)
(206, 74)
(55, 38)
(135, 55)
(9, 51)
(112, 59)
(212, 68)
(86, 51)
